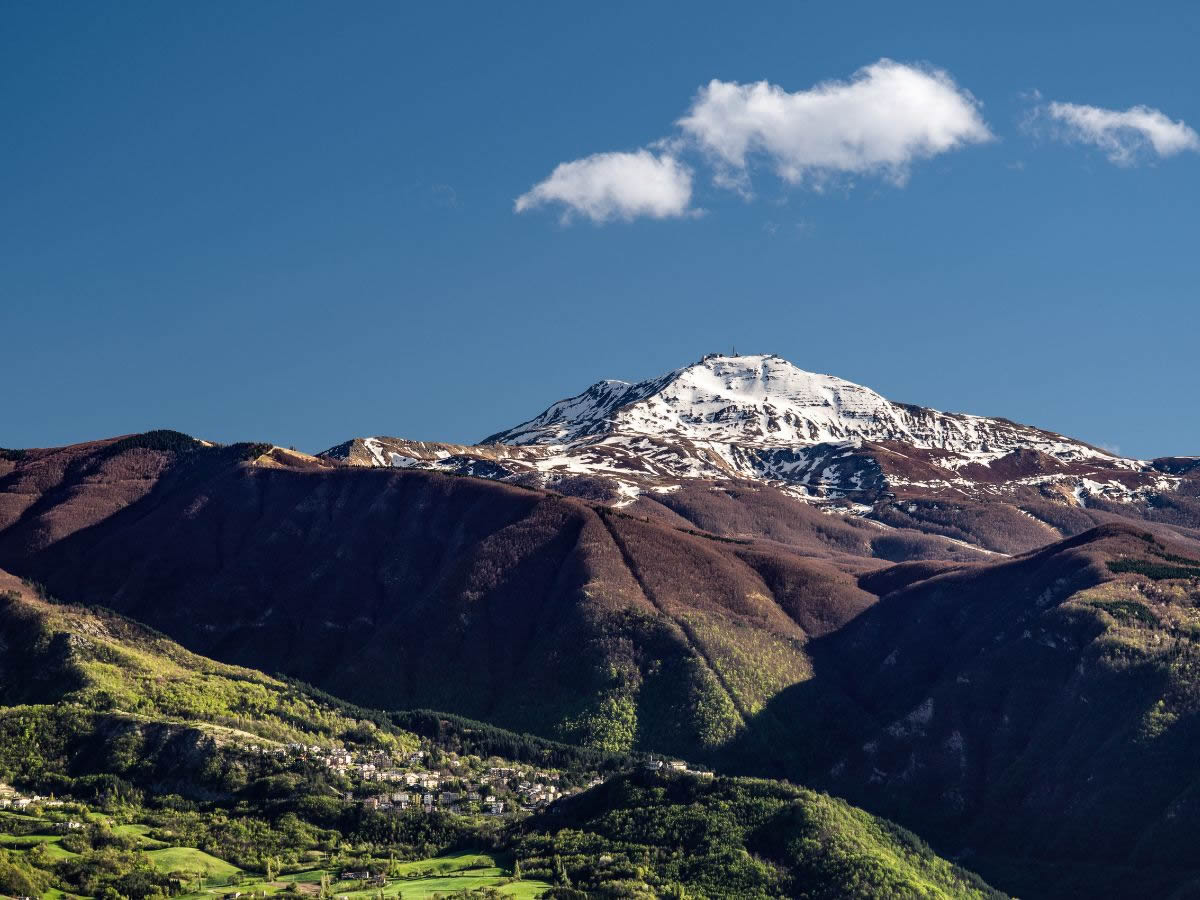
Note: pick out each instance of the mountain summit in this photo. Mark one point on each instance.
(766, 401)
(762, 421)
(752, 399)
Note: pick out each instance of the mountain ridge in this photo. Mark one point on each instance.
(817, 438)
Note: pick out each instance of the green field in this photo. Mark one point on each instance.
(25, 841)
(140, 832)
(448, 884)
(446, 874)
(50, 842)
(136, 830)
(56, 852)
(7, 818)
(417, 879)
(451, 862)
(175, 859)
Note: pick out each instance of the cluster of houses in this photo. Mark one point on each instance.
(10, 798)
(451, 801)
(496, 791)
(458, 788)
(412, 781)
(457, 784)
(674, 765)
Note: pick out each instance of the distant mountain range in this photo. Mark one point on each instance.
(984, 630)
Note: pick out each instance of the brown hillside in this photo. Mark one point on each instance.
(417, 589)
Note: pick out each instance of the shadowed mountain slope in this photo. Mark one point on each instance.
(1031, 711)
(417, 589)
(91, 702)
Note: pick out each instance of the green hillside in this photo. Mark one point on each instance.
(99, 661)
(732, 837)
(172, 780)
(1041, 714)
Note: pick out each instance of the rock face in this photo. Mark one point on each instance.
(816, 438)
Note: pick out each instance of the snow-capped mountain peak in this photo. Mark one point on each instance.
(760, 397)
(764, 401)
(760, 418)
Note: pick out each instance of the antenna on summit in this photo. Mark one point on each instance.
(733, 351)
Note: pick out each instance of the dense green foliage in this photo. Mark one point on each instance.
(1154, 569)
(638, 835)
(167, 441)
(646, 835)
(1161, 566)
(1123, 610)
(20, 877)
(98, 661)
(466, 736)
(161, 439)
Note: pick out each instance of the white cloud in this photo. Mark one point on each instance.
(885, 118)
(609, 186)
(1124, 136)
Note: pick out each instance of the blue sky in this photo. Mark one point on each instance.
(295, 222)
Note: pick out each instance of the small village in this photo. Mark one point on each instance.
(462, 785)
(417, 782)
(425, 780)
(10, 798)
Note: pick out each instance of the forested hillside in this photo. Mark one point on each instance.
(142, 770)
